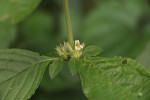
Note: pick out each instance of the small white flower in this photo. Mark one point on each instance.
(66, 51)
(78, 46)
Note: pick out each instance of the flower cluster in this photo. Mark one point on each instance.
(66, 51)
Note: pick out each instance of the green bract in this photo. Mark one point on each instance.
(92, 50)
(74, 65)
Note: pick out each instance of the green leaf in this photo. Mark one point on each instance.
(16, 10)
(73, 65)
(20, 73)
(114, 78)
(92, 50)
(55, 67)
(7, 34)
(117, 27)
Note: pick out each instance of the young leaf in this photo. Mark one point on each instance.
(55, 67)
(73, 65)
(20, 73)
(114, 78)
(15, 10)
(92, 50)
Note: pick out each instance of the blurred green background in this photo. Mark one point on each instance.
(120, 27)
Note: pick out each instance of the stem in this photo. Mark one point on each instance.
(68, 23)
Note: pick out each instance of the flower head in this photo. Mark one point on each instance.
(66, 51)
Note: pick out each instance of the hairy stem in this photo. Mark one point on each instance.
(68, 23)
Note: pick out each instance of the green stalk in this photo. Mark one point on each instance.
(68, 23)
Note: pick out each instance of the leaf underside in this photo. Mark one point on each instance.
(20, 73)
(74, 65)
(114, 78)
(55, 68)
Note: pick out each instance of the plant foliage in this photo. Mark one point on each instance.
(115, 78)
(20, 73)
